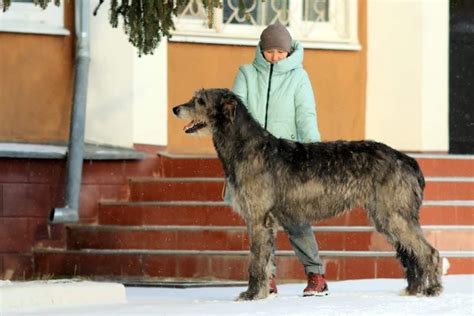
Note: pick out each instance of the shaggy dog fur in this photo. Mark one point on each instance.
(277, 181)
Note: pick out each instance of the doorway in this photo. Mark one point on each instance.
(461, 77)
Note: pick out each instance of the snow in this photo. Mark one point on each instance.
(362, 297)
(46, 293)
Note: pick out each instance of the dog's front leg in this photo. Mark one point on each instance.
(262, 238)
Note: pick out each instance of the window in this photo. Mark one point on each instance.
(326, 24)
(24, 17)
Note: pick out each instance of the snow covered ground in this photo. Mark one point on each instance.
(358, 297)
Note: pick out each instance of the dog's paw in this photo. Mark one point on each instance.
(250, 296)
(246, 296)
(434, 290)
(410, 292)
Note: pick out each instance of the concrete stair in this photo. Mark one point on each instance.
(176, 226)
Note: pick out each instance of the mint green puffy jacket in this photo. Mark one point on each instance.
(291, 106)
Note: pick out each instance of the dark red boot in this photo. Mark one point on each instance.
(317, 285)
(272, 285)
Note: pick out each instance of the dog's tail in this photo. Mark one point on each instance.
(419, 174)
(414, 169)
(413, 164)
(421, 178)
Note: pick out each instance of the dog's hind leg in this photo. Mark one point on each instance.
(408, 261)
(262, 242)
(420, 260)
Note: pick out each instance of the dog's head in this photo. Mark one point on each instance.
(206, 108)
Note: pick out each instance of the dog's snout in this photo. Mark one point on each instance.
(176, 110)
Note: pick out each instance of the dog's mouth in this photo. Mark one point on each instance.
(194, 126)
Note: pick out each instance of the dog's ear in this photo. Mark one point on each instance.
(230, 106)
(202, 97)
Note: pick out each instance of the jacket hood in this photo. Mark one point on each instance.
(295, 60)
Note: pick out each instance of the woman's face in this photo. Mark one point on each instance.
(274, 55)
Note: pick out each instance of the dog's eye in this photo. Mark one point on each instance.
(200, 101)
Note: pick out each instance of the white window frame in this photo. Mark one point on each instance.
(24, 17)
(340, 33)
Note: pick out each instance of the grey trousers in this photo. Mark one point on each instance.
(306, 248)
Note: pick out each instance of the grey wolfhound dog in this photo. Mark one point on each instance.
(278, 181)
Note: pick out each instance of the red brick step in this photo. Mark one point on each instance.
(210, 189)
(446, 165)
(173, 189)
(447, 188)
(186, 166)
(358, 238)
(168, 213)
(219, 214)
(174, 165)
(218, 265)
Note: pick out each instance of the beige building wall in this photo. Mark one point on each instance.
(150, 97)
(407, 80)
(127, 97)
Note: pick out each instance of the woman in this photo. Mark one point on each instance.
(278, 94)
